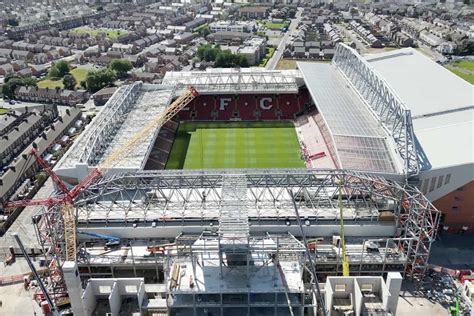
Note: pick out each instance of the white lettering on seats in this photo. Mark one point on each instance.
(266, 103)
(223, 103)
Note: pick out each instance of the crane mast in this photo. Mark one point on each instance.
(67, 197)
(345, 260)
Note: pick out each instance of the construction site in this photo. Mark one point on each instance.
(125, 235)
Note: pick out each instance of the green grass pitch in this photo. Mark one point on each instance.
(218, 145)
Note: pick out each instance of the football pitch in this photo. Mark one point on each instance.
(219, 145)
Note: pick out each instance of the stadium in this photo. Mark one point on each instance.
(261, 164)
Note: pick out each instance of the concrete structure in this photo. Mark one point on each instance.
(362, 295)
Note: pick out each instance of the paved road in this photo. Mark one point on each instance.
(23, 225)
(361, 47)
(271, 64)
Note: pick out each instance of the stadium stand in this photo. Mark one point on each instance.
(246, 107)
(162, 147)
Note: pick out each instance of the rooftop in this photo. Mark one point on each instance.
(431, 88)
(121, 117)
(360, 141)
(441, 104)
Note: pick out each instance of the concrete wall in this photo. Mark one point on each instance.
(115, 301)
(394, 284)
(74, 288)
(89, 301)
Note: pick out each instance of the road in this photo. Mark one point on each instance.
(361, 47)
(271, 64)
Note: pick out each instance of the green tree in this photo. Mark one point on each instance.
(8, 88)
(243, 62)
(12, 82)
(69, 82)
(96, 80)
(53, 73)
(204, 31)
(63, 68)
(121, 67)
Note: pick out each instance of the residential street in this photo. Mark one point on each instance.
(271, 64)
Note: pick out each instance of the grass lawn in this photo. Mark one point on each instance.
(78, 73)
(465, 64)
(269, 54)
(276, 26)
(3, 111)
(214, 145)
(291, 63)
(469, 77)
(112, 34)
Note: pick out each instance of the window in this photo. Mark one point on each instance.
(448, 178)
(432, 184)
(104, 289)
(425, 185)
(340, 287)
(440, 182)
(455, 209)
(366, 287)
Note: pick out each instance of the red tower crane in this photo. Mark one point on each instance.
(67, 197)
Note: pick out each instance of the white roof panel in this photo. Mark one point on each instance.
(424, 86)
(447, 140)
(441, 103)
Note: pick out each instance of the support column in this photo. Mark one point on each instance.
(74, 288)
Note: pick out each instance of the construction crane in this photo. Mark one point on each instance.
(111, 240)
(67, 197)
(345, 260)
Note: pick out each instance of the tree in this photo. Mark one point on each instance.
(83, 84)
(69, 82)
(121, 67)
(59, 70)
(8, 88)
(243, 62)
(96, 80)
(53, 73)
(63, 68)
(204, 31)
(12, 82)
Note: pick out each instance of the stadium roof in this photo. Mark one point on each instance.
(441, 103)
(360, 141)
(117, 122)
(424, 86)
(231, 81)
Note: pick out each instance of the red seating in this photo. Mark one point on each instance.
(203, 107)
(226, 106)
(247, 107)
(288, 105)
(267, 105)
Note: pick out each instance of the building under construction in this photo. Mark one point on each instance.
(243, 241)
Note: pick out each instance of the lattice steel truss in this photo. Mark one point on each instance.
(416, 218)
(136, 196)
(384, 102)
(231, 81)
